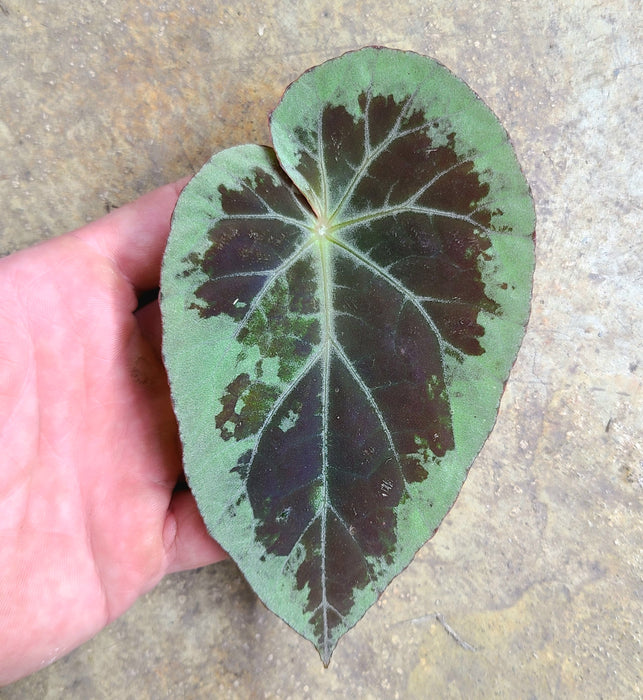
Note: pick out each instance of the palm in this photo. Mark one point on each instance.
(91, 453)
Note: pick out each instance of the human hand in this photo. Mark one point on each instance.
(90, 517)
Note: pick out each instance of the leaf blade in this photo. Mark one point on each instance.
(365, 330)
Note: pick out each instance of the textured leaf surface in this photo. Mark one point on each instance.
(339, 322)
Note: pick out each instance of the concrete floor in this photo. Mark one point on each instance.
(538, 566)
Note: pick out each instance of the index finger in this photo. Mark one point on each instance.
(134, 235)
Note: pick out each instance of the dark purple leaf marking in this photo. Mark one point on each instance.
(359, 408)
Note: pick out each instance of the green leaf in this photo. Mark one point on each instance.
(340, 317)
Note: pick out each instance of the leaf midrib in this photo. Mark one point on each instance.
(326, 276)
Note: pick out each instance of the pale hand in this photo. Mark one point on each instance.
(89, 457)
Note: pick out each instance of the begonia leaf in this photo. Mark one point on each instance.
(340, 317)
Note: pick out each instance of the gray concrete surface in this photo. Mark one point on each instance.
(538, 566)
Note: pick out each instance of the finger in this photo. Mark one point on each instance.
(134, 236)
(149, 321)
(187, 542)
